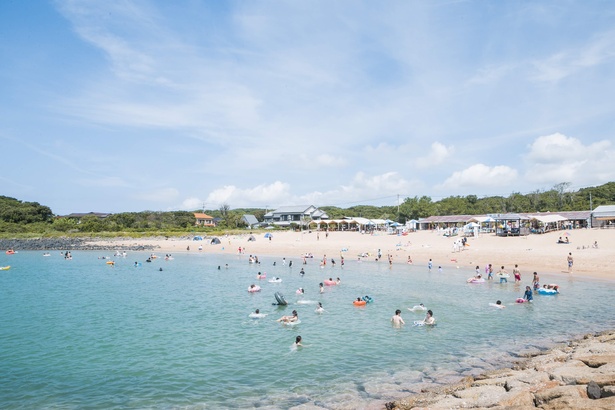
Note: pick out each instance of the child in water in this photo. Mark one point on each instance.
(528, 294)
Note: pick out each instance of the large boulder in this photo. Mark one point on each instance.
(547, 395)
(482, 396)
(577, 372)
(593, 390)
(597, 360)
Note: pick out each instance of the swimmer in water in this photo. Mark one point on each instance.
(397, 319)
(499, 304)
(289, 319)
(429, 319)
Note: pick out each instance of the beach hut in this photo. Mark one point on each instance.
(412, 225)
(512, 225)
(603, 217)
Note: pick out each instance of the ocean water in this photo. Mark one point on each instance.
(82, 334)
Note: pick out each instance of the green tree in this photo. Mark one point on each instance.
(64, 224)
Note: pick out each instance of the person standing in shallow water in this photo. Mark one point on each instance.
(517, 273)
(528, 294)
(429, 319)
(397, 319)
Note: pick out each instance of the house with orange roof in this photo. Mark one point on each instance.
(203, 220)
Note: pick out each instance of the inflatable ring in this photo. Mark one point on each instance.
(544, 291)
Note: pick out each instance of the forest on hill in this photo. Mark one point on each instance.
(19, 217)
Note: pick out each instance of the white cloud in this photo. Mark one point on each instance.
(261, 195)
(362, 189)
(571, 61)
(438, 153)
(557, 158)
(558, 148)
(480, 176)
(109, 25)
(191, 204)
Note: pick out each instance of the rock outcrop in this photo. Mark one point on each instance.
(580, 375)
(70, 244)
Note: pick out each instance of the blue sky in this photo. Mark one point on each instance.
(114, 106)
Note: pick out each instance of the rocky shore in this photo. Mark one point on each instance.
(578, 375)
(71, 244)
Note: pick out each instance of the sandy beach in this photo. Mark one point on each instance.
(540, 253)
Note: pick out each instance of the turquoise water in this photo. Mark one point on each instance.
(81, 334)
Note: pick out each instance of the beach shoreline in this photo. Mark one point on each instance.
(534, 253)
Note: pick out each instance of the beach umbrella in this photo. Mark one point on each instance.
(567, 234)
(268, 235)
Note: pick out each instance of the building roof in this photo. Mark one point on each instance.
(510, 217)
(202, 216)
(294, 209)
(318, 213)
(250, 219)
(604, 210)
(445, 219)
(81, 215)
(575, 215)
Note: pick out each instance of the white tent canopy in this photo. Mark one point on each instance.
(481, 219)
(548, 218)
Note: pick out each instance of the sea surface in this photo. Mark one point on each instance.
(77, 334)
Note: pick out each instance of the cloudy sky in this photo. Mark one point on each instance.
(134, 105)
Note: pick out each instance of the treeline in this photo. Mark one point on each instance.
(556, 199)
(31, 217)
(14, 211)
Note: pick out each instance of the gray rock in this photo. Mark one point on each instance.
(66, 243)
(607, 391)
(593, 390)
